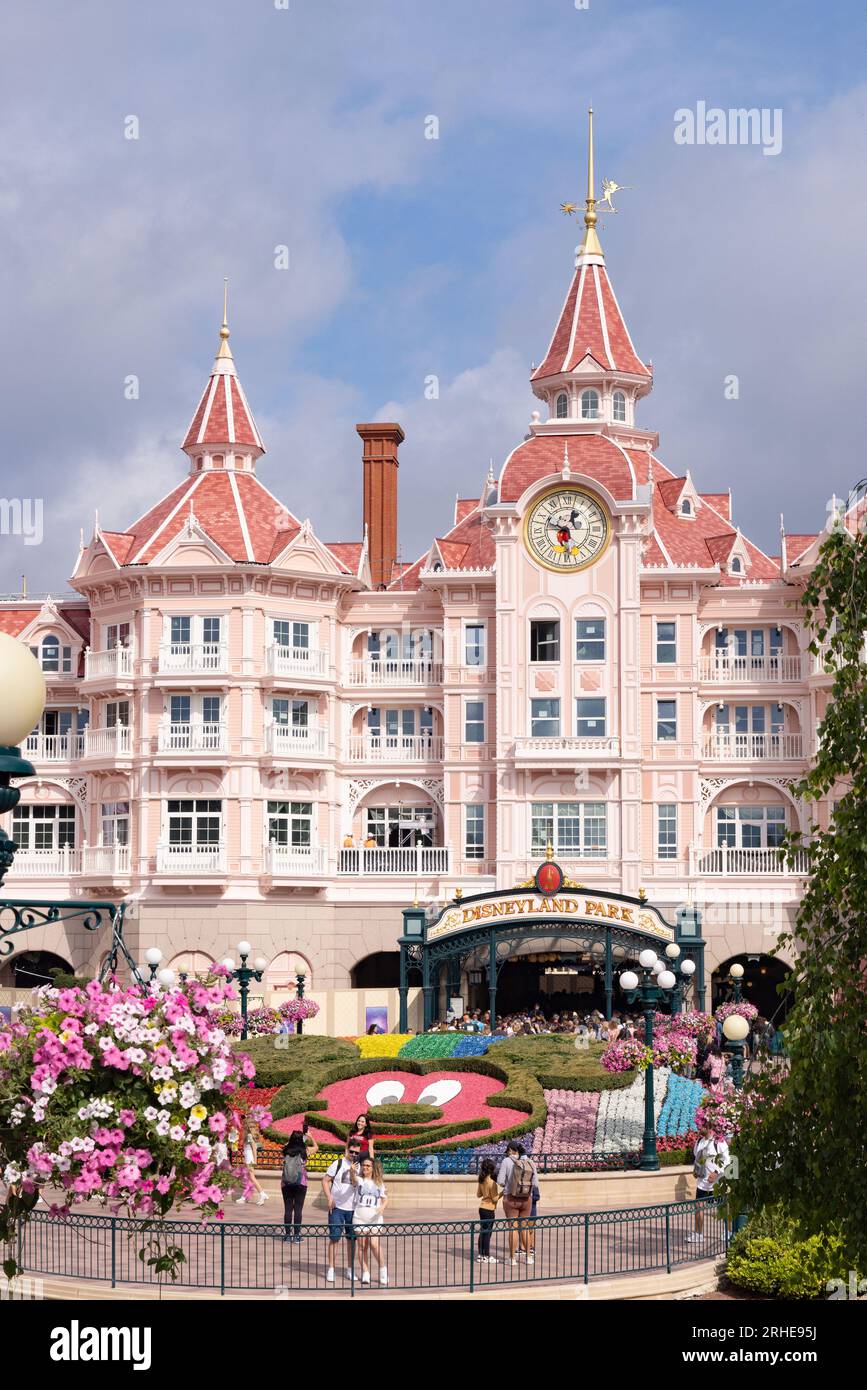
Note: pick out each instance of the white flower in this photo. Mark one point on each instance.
(177, 1132)
(91, 1028)
(150, 1113)
(163, 1127)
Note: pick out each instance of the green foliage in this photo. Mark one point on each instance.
(558, 1065)
(772, 1259)
(803, 1143)
(403, 1112)
(288, 1057)
(673, 1158)
(65, 979)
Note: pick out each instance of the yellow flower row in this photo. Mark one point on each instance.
(382, 1044)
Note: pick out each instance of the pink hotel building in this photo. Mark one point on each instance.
(252, 731)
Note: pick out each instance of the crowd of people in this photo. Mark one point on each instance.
(535, 1021)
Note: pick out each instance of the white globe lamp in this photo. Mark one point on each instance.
(244, 948)
(735, 1028)
(228, 963)
(688, 967)
(260, 965)
(22, 691)
(647, 960)
(666, 979)
(166, 978)
(153, 955)
(629, 980)
(672, 950)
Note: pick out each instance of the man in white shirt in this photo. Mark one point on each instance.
(710, 1159)
(339, 1184)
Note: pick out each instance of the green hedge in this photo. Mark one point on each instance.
(402, 1113)
(673, 1158)
(558, 1065)
(770, 1257)
(283, 1058)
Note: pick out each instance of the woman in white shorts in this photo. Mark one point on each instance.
(370, 1202)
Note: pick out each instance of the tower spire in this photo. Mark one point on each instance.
(591, 245)
(224, 349)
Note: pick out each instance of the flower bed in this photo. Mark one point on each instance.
(677, 1115)
(571, 1123)
(381, 1044)
(429, 1045)
(620, 1118)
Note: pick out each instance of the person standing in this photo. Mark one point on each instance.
(250, 1139)
(293, 1182)
(710, 1158)
(370, 1203)
(488, 1195)
(516, 1177)
(339, 1184)
(362, 1134)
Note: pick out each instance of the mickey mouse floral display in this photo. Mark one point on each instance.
(121, 1094)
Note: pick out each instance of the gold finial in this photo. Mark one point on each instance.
(591, 245)
(642, 895)
(549, 850)
(225, 350)
(459, 893)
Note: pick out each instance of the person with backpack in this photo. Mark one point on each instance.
(293, 1182)
(339, 1184)
(517, 1177)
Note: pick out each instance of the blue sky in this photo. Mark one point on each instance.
(412, 257)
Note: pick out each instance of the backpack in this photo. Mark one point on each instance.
(293, 1170)
(521, 1179)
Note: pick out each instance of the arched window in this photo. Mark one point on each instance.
(590, 405)
(50, 658)
(618, 401)
(736, 567)
(686, 507)
(562, 406)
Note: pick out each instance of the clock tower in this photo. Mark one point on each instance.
(570, 521)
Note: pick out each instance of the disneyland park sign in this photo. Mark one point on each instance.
(569, 906)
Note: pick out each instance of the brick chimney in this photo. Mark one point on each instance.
(381, 443)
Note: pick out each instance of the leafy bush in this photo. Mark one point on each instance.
(559, 1065)
(285, 1057)
(772, 1258)
(403, 1112)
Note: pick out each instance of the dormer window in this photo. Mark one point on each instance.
(562, 406)
(618, 407)
(736, 565)
(686, 507)
(54, 659)
(590, 405)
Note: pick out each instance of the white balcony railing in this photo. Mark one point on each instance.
(395, 748)
(190, 859)
(194, 737)
(729, 860)
(295, 861)
(751, 670)
(394, 671)
(417, 861)
(54, 748)
(296, 661)
(201, 658)
(108, 743)
(117, 661)
(106, 861)
(726, 748)
(46, 863)
(546, 748)
(295, 740)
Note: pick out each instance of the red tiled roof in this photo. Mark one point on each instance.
(590, 454)
(347, 552)
(464, 507)
(703, 539)
(119, 543)
(670, 490)
(796, 545)
(720, 501)
(15, 620)
(591, 322)
(467, 546)
(223, 415)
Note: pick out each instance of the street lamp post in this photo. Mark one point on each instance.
(655, 985)
(153, 956)
(299, 994)
(736, 974)
(244, 973)
(735, 1029)
(683, 971)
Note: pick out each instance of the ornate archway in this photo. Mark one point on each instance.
(549, 907)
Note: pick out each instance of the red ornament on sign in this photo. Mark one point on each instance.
(549, 878)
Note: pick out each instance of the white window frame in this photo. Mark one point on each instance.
(666, 827)
(588, 814)
(665, 642)
(546, 660)
(475, 723)
(550, 719)
(589, 719)
(474, 831)
(294, 817)
(665, 719)
(592, 660)
(482, 629)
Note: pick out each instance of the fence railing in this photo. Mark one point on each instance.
(231, 1257)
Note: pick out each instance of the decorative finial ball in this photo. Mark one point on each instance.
(22, 691)
(736, 1028)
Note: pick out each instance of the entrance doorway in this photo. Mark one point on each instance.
(761, 976)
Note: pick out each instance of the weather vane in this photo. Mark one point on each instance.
(609, 188)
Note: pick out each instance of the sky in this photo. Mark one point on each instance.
(304, 124)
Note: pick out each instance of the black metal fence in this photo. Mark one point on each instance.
(416, 1256)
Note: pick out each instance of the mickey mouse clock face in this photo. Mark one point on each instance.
(567, 530)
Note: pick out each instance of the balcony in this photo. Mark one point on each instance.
(395, 748)
(39, 864)
(296, 661)
(194, 737)
(114, 664)
(729, 861)
(564, 752)
(733, 748)
(392, 672)
(106, 861)
(193, 658)
(295, 861)
(54, 748)
(751, 670)
(191, 861)
(108, 743)
(292, 741)
(416, 861)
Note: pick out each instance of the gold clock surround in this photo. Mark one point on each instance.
(569, 490)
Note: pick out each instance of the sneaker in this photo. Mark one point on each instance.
(263, 1197)
(481, 1259)
(297, 1239)
(694, 1239)
(514, 1262)
(492, 1260)
(349, 1274)
(241, 1201)
(329, 1277)
(383, 1277)
(521, 1255)
(531, 1259)
(365, 1278)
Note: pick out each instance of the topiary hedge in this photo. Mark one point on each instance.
(283, 1058)
(402, 1112)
